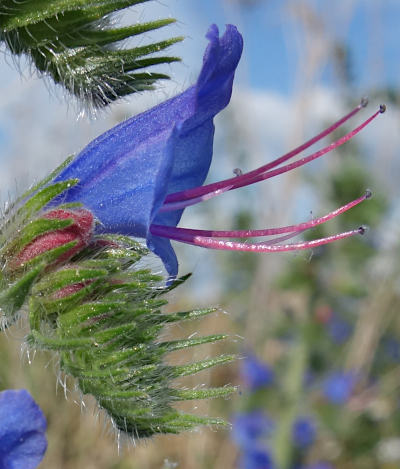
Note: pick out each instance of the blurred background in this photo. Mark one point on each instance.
(318, 331)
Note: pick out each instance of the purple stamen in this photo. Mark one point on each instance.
(185, 203)
(307, 159)
(280, 239)
(168, 231)
(206, 242)
(210, 188)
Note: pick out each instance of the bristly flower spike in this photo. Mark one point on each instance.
(90, 301)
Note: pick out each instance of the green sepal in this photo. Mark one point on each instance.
(27, 207)
(209, 393)
(13, 297)
(177, 282)
(189, 315)
(120, 248)
(142, 276)
(91, 375)
(76, 318)
(43, 197)
(173, 345)
(192, 368)
(61, 278)
(36, 339)
(174, 422)
(69, 206)
(46, 180)
(47, 306)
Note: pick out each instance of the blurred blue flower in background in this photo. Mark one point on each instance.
(255, 373)
(339, 330)
(338, 386)
(256, 458)
(304, 432)
(249, 427)
(22, 431)
(391, 348)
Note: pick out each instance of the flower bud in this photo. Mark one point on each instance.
(79, 231)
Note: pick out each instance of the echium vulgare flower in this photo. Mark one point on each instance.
(138, 177)
(67, 253)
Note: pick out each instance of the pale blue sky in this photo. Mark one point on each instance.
(272, 58)
(272, 52)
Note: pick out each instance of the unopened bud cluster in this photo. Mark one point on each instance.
(89, 302)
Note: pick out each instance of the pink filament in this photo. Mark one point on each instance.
(191, 196)
(211, 243)
(168, 207)
(168, 232)
(279, 239)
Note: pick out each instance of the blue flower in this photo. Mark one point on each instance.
(126, 173)
(256, 458)
(338, 329)
(22, 431)
(338, 386)
(255, 373)
(303, 432)
(138, 177)
(391, 348)
(248, 428)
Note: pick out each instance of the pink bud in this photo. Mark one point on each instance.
(69, 290)
(80, 231)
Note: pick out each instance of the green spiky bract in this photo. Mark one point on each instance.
(101, 313)
(74, 43)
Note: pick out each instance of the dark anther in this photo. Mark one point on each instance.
(364, 101)
(382, 108)
(362, 229)
(368, 193)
